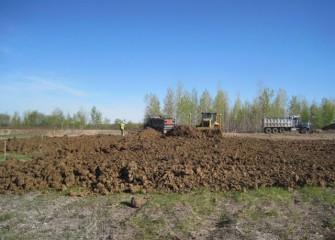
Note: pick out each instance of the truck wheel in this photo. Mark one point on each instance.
(275, 130)
(281, 130)
(303, 130)
(267, 130)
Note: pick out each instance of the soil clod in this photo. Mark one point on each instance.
(136, 202)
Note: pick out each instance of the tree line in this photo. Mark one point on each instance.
(179, 103)
(58, 120)
(244, 116)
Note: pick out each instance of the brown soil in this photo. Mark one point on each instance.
(184, 160)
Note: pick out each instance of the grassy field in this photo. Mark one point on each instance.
(20, 135)
(21, 157)
(18, 156)
(267, 213)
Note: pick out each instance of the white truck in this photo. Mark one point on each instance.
(279, 125)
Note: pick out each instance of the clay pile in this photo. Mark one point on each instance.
(148, 161)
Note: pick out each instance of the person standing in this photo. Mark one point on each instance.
(122, 125)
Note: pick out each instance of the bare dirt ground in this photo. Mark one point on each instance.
(316, 135)
(149, 164)
(184, 160)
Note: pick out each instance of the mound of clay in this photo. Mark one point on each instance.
(329, 127)
(213, 133)
(185, 131)
(149, 133)
(105, 164)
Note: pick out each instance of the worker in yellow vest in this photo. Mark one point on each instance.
(122, 125)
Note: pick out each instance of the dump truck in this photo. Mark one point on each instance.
(209, 120)
(160, 123)
(279, 125)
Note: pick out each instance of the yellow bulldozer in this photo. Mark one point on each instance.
(209, 120)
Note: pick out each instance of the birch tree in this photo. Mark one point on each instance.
(16, 119)
(179, 94)
(194, 110)
(304, 112)
(169, 107)
(80, 118)
(295, 106)
(185, 108)
(221, 105)
(279, 104)
(265, 97)
(205, 103)
(315, 115)
(236, 117)
(328, 111)
(152, 105)
(96, 117)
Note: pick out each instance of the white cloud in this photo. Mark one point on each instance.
(36, 84)
(45, 84)
(22, 92)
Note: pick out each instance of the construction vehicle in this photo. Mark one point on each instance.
(209, 120)
(279, 125)
(160, 123)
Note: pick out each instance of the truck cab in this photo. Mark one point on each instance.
(302, 127)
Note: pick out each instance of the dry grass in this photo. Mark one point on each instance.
(269, 213)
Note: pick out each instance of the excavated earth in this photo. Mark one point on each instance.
(183, 160)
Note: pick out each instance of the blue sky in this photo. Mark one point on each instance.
(79, 54)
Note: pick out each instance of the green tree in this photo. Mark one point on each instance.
(221, 105)
(256, 115)
(246, 115)
(56, 119)
(184, 109)
(316, 115)
(117, 121)
(68, 120)
(4, 120)
(96, 117)
(305, 111)
(194, 107)
(205, 103)
(169, 107)
(261, 107)
(328, 111)
(34, 119)
(236, 116)
(279, 104)
(179, 94)
(295, 106)
(16, 119)
(265, 97)
(152, 105)
(80, 118)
